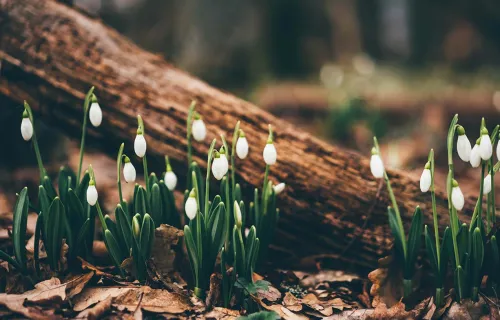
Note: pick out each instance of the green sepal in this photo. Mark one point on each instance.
(124, 227)
(75, 208)
(237, 193)
(82, 233)
(81, 189)
(140, 201)
(19, 227)
(463, 241)
(156, 204)
(56, 231)
(431, 251)
(66, 180)
(446, 249)
(49, 188)
(147, 236)
(113, 248)
(414, 241)
(192, 252)
(153, 179)
(477, 256)
(216, 225)
(239, 253)
(251, 243)
(398, 239)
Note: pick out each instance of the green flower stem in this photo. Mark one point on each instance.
(264, 187)
(35, 142)
(434, 211)
(101, 217)
(480, 197)
(84, 130)
(207, 180)
(233, 151)
(188, 131)
(119, 173)
(228, 214)
(146, 174)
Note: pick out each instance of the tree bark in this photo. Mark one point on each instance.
(51, 54)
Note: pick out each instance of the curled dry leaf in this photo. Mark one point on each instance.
(162, 254)
(398, 311)
(283, 312)
(76, 283)
(468, 309)
(91, 296)
(291, 302)
(214, 292)
(97, 311)
(387, 283)
(271, 294)
(152, 300)
(222, 314)
(325, 307)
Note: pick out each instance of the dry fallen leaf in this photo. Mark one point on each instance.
(162, 254)
(283, 312)
(152, 300)
(91, 296)
(222, 314)
(291, 302)
(76, 283)
(387, 283)
(96, 311)
(325, 307)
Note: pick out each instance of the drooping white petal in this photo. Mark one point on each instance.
(457, 198)
(279, 188)
(498, 151)
(129, 172)
(140, 145)
(95, 114)
(237, 215)
(199, 130)
(242, 147)
(376, 166)
(224, 163)
(217, 169)
(170, 180)
(425, 180)
(487, 184)
(270, 154)
(92, 195)
(464, 148)
(191, 208)
(26, 129)
(485, 147)
(475, 157)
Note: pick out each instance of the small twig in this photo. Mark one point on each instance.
(139, 303)
(368, 216)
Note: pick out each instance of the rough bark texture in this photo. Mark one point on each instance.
(50, 55)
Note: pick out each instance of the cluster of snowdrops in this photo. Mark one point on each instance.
(463, 247)
(215, 225)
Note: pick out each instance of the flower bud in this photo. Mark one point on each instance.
(140, 144)
(487, 184)
(129, 170)
(269, 154)
(170, 180)
(463, 145)
(224, 162)
(92, 193)
(26, 127)
(485, 147)
(95, 112)
(498, 151)
(198, 128)
(457, 197)
(376, 165)
(237, 215)
(136, 226)
(426, 179)
(217, 166)
(191, 205)
(242, 146)
(279, 188)
(475, 157)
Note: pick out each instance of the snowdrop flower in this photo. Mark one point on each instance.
(26, 126)
(237, 215)
(170, 177)
(475, 157)
(485, 147)
(198, 129)
(457, 197)
(128, 170)
(191, 206)
(269, 153)
(92, 193)
(498, 151)
(95, 113)
(487, 184)
(426, 178)
(242, 146)
(140, 144)
(376, 164)
(463, 145)
(218, 166)
(279, 188)
(224, 162)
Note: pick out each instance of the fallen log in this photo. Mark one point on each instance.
(51, 54)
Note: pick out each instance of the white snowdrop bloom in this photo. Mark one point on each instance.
(198, 128)
(242, 146)
(426, 179)
(279, 188)
(463, 145)
(237, 215)
(376, 165)
(457, 197)
(498, 151)
(269, 154)
(487, 184)
(191, 206)
(92, 193)
(247, 231)
(26, 127)
(140, 144)
(95, 113)
(218, 166)
(223, 161)
(129, 171)
(475, 157)
(170, 180)
(485, 147)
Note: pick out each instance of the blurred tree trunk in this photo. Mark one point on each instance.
(50, 56)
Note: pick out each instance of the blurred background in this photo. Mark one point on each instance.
(343, 70)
